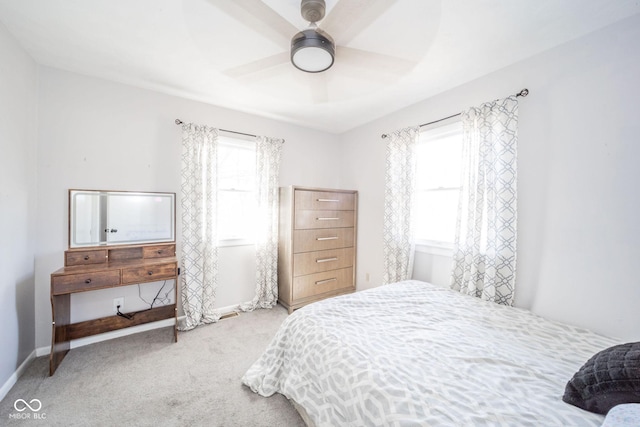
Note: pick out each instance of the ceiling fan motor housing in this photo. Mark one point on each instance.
(312, 10)
(312, 40)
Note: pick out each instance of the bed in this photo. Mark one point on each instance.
(412, 353)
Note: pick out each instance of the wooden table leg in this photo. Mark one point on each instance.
(60, 310)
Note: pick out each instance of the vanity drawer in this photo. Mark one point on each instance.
(122, 254)
(320, 283)
(319, 261)
(324, 219)
(321, 239)
(160, 251)
(149, 273)
(85, 257)
(324, 200)
(88, 281)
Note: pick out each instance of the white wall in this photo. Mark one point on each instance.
(95, 134)
(578, 230)
(579, 206)
(18, 125)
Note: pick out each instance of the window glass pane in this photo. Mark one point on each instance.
(236, 215)
(439, 155)
(439, 162)
(236, 189)
(435, 215)
(236, 166)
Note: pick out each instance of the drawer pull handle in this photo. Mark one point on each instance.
(86, 257)
(322, 282)
(159, 252)
(327, 238)
(150, 273)
(328, 200)
(327, 259)
(87, 281)
(327, 219)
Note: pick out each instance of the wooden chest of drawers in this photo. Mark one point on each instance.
(317, 245)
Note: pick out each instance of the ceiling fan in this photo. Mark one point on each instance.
(314, 50)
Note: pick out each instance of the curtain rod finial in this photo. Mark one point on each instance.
(524, 92)
(178, 121)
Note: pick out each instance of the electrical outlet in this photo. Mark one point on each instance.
(118, 302)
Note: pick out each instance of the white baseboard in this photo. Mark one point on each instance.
(44, 351)
(17, 374)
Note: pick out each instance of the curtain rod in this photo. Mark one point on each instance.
(523, 93)
(179, 122)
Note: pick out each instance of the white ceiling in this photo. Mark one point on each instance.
(214, 50)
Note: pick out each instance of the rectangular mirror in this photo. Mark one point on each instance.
(120, 218)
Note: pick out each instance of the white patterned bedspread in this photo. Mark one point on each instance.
(412, 353)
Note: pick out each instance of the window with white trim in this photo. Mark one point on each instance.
(438, 168)
(237, 204)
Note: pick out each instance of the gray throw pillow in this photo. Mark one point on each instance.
(611, 377)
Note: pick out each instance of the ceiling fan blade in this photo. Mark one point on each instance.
(376, 63)
(257, 15)
(349, 17)
(258, 66)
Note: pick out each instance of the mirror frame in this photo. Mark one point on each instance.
(72, 215)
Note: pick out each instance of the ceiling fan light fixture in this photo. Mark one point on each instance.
(312, 51)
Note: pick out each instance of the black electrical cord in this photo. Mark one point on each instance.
(130, 316)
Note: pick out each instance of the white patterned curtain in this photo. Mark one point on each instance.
(198, 199)
(398, 202)
(484, 257)
(267, 179)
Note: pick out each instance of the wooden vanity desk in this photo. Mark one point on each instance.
(116, 239)
(109, 267)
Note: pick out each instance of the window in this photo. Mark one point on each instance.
(439, 162)
(236, 190)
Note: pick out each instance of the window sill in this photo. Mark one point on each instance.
(234, 242)
(434, 248)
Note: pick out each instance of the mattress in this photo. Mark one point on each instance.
(412, 353)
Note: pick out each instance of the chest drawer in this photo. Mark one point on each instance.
(148, 273)
(324, 219)
(79, 282)
(319, 261)
(324, 200)
(85, 257)
(322, 239)
(320, 283)
(160, 251)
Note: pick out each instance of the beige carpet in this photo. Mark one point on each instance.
(147, 380)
